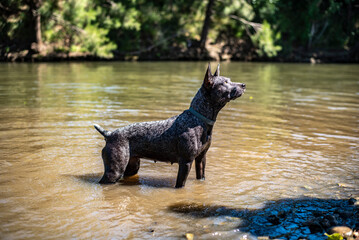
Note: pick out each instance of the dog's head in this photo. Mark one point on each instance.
(221, 89)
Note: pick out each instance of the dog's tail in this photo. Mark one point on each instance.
(104, 132)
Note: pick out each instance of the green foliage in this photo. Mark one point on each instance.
(224, 25)
(107, 27)
(265, 40)
(74, 27)
(313, 23)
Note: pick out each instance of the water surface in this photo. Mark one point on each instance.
(294, 133)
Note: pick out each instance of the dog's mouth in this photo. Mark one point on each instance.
(236, 93)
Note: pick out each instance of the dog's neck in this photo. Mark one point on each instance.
(203, 105)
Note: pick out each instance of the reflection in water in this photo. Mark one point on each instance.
(149, 181)
(294, 133)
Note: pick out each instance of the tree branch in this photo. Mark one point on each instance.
(256, 26)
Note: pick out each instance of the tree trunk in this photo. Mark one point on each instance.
(206, 23)
(34, 6)
(38, 31)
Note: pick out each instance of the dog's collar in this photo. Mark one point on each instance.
(200, 116)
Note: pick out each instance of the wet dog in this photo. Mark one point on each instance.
(180, 139)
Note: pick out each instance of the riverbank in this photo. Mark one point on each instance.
(225, 51)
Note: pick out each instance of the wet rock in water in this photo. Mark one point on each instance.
(318, 213)
(273, 219)
(346, 214)
(332, 220)
(292, 219)
(314, 226)
(352, 201)
(325, 223)
(302, 238)
(342, 230)
(282, 214)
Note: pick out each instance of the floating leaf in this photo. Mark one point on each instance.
(334, 236)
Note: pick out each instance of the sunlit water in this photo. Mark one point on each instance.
(294, 133)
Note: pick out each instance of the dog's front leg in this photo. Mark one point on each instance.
(200, 166)
(183, 171)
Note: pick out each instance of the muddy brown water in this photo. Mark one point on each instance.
(294, 133)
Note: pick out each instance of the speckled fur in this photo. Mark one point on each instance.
(180, 139)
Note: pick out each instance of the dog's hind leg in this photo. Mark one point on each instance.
(115, 161)
(132, 167)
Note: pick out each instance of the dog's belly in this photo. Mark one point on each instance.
(159, 156)
(158, 151)
(161, 159)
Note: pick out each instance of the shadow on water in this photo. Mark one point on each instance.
(88, 178)
(285, 218)
(135, 180)
(149, 181)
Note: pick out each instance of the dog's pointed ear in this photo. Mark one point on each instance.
(216, 74)
(208, 81)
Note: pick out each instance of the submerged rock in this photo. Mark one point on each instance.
(273, 219)
(314, 226)
(352, 201)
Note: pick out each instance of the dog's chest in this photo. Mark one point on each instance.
(205, 141)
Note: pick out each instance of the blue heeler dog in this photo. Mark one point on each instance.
(180, 139)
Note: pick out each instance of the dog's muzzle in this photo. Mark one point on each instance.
(238, 90)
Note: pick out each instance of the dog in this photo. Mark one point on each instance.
(180, 139)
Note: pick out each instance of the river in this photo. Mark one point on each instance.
(293, 134)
